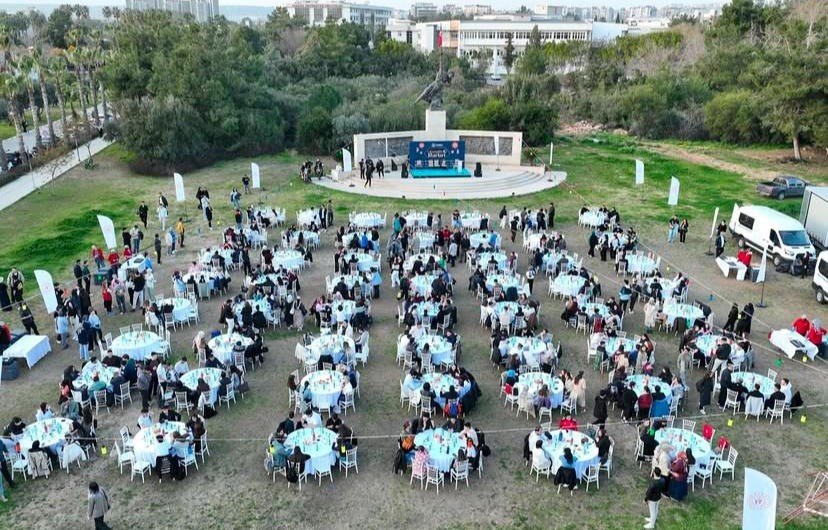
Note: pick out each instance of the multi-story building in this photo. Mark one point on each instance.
(472, 10)
(201, 10)
(423, 10)
(319, 13)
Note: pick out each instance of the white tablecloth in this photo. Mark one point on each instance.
(317, 444)
(30, 347)
(423, 257)
(530, 351)
(592, 218)
(534, 240)
(222, 346)
(86, 378)
(791, 342)
(325, 386)
(181, 307)
(212, 376)
(483, 238)
(48, 432)
(568, 284)
(137, 344)
(146, 446)
(506, 281)
(425, 240)
(422, 284)
(261, 304)
(534, 381)
(677, 310)
(207, 254)
(416, 219)
(289, 259)
(470, 220)
(365, 262)
(499, 257)
(306, 217)
(333, 344)
(367, 219)
(348, 279)
(640, 263)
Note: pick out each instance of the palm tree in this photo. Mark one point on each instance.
(61, 78)
(75, 56)
(12, 87)
(25, 67)
(91, 55)
(39, 62)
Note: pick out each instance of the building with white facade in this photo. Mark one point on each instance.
(319, 13)
(423, 10)
(472, 10)
(488, 36)
(201, 10)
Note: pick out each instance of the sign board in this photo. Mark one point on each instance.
(437, 155)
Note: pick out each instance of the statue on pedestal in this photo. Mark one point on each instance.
(433, 93)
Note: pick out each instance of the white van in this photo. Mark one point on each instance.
(761, 227)
(820, 283)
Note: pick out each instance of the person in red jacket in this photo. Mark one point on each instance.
(801, 325)
(816, 335)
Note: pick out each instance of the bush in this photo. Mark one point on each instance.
(313, 132)
(735, 117)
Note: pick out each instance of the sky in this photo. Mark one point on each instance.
(404, 4)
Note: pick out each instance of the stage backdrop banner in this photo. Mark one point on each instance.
(347, 161)
(179, 187)
(254, 173)
(759, 504)
(639, 172)
(47, 289)
(108, 229)
(672, 198)
(437, 155)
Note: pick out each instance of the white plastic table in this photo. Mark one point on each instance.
(30, 347)
(145, 444)
(181, 307)
(137, 345)
(791, 343)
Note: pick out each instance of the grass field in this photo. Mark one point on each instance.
(53, 226)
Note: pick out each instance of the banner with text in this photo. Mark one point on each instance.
(759, 504)
(254, 173)
(672, 198)
(47, 289)
(179, 187)
(437, 155)
(108, 229)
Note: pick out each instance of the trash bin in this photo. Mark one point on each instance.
(100, 276)
(10, 369)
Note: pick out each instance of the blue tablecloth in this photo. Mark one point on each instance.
(439, 383)
(583, 449)
(568, 284)
(442, 447)
(212, 376)
(438, 346)
(681, 439)
(533, 381)
(317, 444)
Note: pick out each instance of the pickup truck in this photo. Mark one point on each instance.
(781, 187)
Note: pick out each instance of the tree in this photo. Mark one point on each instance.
(12, 87)
(533, 60)
(313, 131)
(61, 79)
(25, 67)
(509, 53)
(39, 65)
(58, 26)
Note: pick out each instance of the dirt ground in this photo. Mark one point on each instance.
(231, 490)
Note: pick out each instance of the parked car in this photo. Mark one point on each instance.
(781, 187)
(820, 283)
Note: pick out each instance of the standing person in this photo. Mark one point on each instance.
(530, 278)
(163, 213)
(143, 211)
(98, 506)
(5, 472)
(361, 169)
(27, 319)
(246, 183)
(208, 215)
(162, 201)
(368, 173)
(720, 244)
(179, 230)
(653, 497)
(672, 229)
(705, 388)
(135, 236)
(550, 215)
(684, 226)
(157, 246)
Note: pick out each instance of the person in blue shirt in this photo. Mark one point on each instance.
(376, 281)
(566, 471)
(493, 240)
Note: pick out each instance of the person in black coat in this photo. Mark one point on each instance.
(628, 400)
(600, 408)
(724, 384)
(705, 389)
(732, 317)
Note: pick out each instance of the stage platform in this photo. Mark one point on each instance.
(440, 173)
(509, 181)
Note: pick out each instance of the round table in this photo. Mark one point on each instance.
(274, 215)
(257, 236)
(146, 446)
(682, 439)
(367, 219)
(342, 311)
(500, 258)
(568, 284)
(667, 285)
(583, 448)
(592, 218)
(212, 376)
(365, 261)
(331, 344)
(533, 241)
(416, 219)
(308, 237)
(432, 309)
(206, 256)
(640, 263)
(640, 380)
(590, 307)
(181, 307)
(484, 238)
(439, 348)
(318, 444)
(439, 383)
(506, 281)
(306, 217)
(707, 345)
(422, 284)
(612, 344)
(425, 240)
(85, 379)
(134, 263)
(289, 259)
(530, 352)
(325, 387)
(678, 310)
(470, 220)
(423, 257)
(552, 257)
(49, 433)
(748, 379)
(261, 304)
(534, 381)
(348, 279)
(137, 345)
(442, 446)
(222, 346)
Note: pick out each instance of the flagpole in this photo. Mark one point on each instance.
(763, 273)
(762, 301)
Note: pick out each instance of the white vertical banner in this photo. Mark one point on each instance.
(47, 289)
(763, 267)
(347, 161)
(672, 198)
(639, 172)
(108, 229)
(551, 151)
(715, 219)
(497, 145)
(179, 187)
(254, 173)
(759, 504)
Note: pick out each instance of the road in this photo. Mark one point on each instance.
(12, 144)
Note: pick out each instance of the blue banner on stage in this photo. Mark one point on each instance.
(437, 155)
